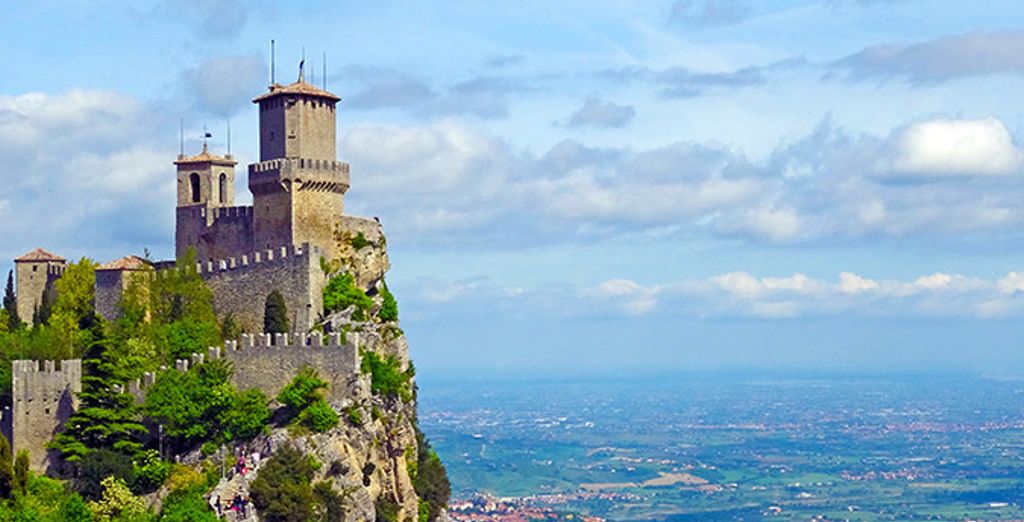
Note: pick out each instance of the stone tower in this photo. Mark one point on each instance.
(205, 182)
(36, 273)
(298, 186)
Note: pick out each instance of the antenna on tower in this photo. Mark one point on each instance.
(272, 62)
(325, 70)
(302, 64)
(206, 135)
(181, 152)
(229, 137)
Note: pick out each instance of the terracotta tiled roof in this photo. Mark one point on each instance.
(39, 255)
(206, 157)
(126, 263)
(299, 87)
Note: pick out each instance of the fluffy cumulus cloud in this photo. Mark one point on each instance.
(459, 181)
(743, 294)
(601, 114)
(86, 167)
(941, 59)
(956, 148)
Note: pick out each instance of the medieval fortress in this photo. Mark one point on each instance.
(295, 222)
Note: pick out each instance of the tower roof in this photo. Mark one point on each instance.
(38, 255)
(299, 87)
(126, 263)
(206, 157)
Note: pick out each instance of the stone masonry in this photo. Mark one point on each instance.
(44, 394)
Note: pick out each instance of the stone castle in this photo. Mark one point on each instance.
(295, 222)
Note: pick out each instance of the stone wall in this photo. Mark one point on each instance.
(215, 233)
(240, 285)
(269, 362)
(44, 394)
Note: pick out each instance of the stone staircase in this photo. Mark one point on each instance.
(227, 488)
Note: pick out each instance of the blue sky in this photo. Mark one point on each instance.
(600, 186)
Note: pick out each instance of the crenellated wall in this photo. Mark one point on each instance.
(44, 394)
(214, 232)
(240, 285)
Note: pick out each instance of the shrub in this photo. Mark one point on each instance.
(100, 464)
(353, 415)
(248, 416)
(386, 509)
(187, 505)
(387, 377)
(341, 292)
(305, 388)
(389, 306)
(359, 241)
(150, 471)
(319, 416)
(431, 479)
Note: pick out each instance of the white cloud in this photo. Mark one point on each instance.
(601, 114)
(631, 296)
(956, 148)
(851, 283)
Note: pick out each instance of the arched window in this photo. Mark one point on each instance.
(223, 187)
(193, 180)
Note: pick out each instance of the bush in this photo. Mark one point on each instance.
(150, 471)
(341, 292)
(389, 306)
(387, 377)
(319, 416)
(305, 388)
(100, 464)
(187, 505)
(248, 416)
(386, 509)
(431, 479)
(359, 241)
(354, 416)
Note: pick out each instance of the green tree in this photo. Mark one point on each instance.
(21, 473)
(304, 389)
(6, 468)
(74, 509)
(100, 464)
(11, 304)
(229, 327)
(282, 491)
(387, 377)
(118, 504)
(105, 419)
(431, 479)
(187, 505)
(74, 310)
(189, 404)
(247, 417)
(275, 313)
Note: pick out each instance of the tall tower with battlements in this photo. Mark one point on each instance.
(298, 186)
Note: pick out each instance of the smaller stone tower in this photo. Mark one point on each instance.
(205, 182)
(36, 273)
(43, 397)
(114, 278)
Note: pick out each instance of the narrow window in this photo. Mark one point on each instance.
(194, 182)
(223, 187)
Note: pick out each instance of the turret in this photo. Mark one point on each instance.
(298, 186)
(206, 182)
(37, 273)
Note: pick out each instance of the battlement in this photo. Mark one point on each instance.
(269, 361)
(258, 259)
(217, 213)
(289, 164)
(44, 395)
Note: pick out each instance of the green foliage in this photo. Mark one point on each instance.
(11, 304)
(117, 504)
(74, 509)
(424, 511)
(387, 377)
(105, 419)
(187, 505)
(389, 306)
(341, 292)
(430, 479)
(187, 336)
(74, 311)
(247, 417)
(21, 473)
(229, 327)
(354, 415)
(331, 504)
(282, 491)
(275, 313)
(303, 397)
(180, 293)
(318, 416)
(386, 509)
(100, 464)
(6, 469)
(304, 389)
(359, 241)
(202, 406)
(150, 470)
